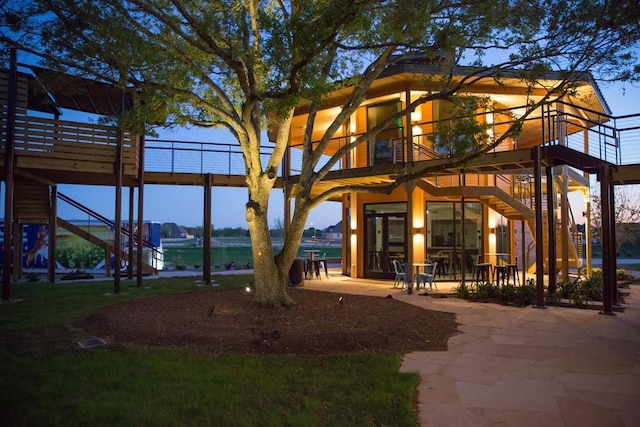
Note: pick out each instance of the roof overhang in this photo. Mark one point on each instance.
(55, 90)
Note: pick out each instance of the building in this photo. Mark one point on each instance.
(489, 211)
(496, 209)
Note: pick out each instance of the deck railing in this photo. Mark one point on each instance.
(196, 157)
(614, 139)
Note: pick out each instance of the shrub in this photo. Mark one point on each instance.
(462, 291)
(526, 294)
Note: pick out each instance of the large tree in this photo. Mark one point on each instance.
(245, 65)
(626, 214)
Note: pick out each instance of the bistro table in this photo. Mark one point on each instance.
(311, 253)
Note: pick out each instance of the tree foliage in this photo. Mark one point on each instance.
(245, 65)
(626, 215)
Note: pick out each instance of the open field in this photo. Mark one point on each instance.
(190, 257)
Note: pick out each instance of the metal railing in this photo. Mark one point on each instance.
(101, 227)
(197, 157)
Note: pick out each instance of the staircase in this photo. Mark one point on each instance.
(516, 205)
(69, 208)
(33, 205)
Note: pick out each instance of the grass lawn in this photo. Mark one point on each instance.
(189, 256)
(47, 380)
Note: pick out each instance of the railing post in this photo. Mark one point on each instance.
(172, 158)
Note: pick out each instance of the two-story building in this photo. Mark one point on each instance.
(482, 211)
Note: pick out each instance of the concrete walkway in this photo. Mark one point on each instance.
(522, 366)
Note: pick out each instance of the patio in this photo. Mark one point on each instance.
(521, 366)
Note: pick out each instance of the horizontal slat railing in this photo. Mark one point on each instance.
(66, 141)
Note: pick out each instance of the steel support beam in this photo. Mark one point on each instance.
(206, 241)
(608, 251)
(537, 183)
(551, 230)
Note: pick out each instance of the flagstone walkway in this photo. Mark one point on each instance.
(523, 366)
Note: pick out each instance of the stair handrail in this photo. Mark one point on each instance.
(100, 218)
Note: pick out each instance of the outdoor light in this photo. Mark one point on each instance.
(248, 289)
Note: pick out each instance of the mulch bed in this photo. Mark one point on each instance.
(223, 321)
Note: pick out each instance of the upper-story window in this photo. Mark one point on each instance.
(387, 146)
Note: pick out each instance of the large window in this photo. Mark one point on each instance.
(447, 240)
(387, 147)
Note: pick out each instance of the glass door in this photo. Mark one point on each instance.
(386, 228)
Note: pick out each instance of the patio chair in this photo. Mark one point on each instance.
(401, 275)
(323, 264)
(429, 276)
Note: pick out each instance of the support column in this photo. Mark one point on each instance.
(8, 178)
(409, 187)
(537, 183)
(588, 255)
(53, 229)
(140, 235)
(551, 231)
(564, 210)
(463, 243)
(523, 250)
(613, 266)
(17, 251)
(117, 238)
(130, 240)
(206, 241)
(608, 252)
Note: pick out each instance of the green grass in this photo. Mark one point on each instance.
(46, 380)
(220, 256)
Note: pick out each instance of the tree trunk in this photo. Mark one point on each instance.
(271, 278)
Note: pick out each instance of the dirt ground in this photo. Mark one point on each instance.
(223, 321)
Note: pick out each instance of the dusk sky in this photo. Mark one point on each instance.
(184, 205)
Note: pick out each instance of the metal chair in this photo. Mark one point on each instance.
(429, 277)
(401, 275)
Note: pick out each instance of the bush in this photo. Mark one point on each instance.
(526, 294)
(462, 291)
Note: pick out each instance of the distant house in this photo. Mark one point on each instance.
(174, 231)
(333, 232)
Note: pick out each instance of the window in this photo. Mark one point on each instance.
(387, 146)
